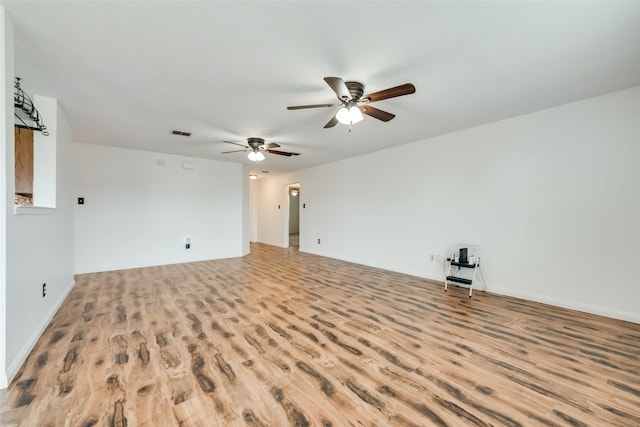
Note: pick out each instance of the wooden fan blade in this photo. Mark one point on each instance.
(302, 107)
(236, 143)
(339, 87)
(234, 151)
(392, 92)
(331, 123)
(283, 153)
(377, 113)
(271, 145)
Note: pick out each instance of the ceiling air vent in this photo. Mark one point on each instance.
(181, 133)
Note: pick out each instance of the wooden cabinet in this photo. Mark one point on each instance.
(24, 162)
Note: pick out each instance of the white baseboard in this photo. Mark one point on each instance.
(585, 308)
(15, 365)
(572, 305)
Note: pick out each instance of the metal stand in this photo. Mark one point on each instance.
(457, 265)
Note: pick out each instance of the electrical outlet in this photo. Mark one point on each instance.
(187, 242)
(318, 241)
(44, 290)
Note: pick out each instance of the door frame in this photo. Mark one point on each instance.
(287, 209)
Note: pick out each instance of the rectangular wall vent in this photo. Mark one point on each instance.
(181, 133)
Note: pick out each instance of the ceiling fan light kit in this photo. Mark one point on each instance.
(256, 156)
(349, 115)
(353, 104)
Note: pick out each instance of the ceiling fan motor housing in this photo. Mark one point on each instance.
(255, 143)
(356, 89)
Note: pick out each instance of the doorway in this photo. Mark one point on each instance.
(294, 215)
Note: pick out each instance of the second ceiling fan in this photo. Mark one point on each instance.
(256, 147)
(353, 104)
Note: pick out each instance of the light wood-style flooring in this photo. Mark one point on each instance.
(281, 338)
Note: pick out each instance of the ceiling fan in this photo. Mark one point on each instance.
(256, 147)
(352, 104)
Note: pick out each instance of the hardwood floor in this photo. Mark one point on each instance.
(283, 338)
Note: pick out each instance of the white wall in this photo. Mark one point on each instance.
(36, 245)
(39, 247)
(552, 198)
(6, 132)
(272, 210)
(246, 211)
(44, 157)
(253, 210)
(137, 213)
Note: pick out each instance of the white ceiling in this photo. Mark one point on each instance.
(126, 73)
